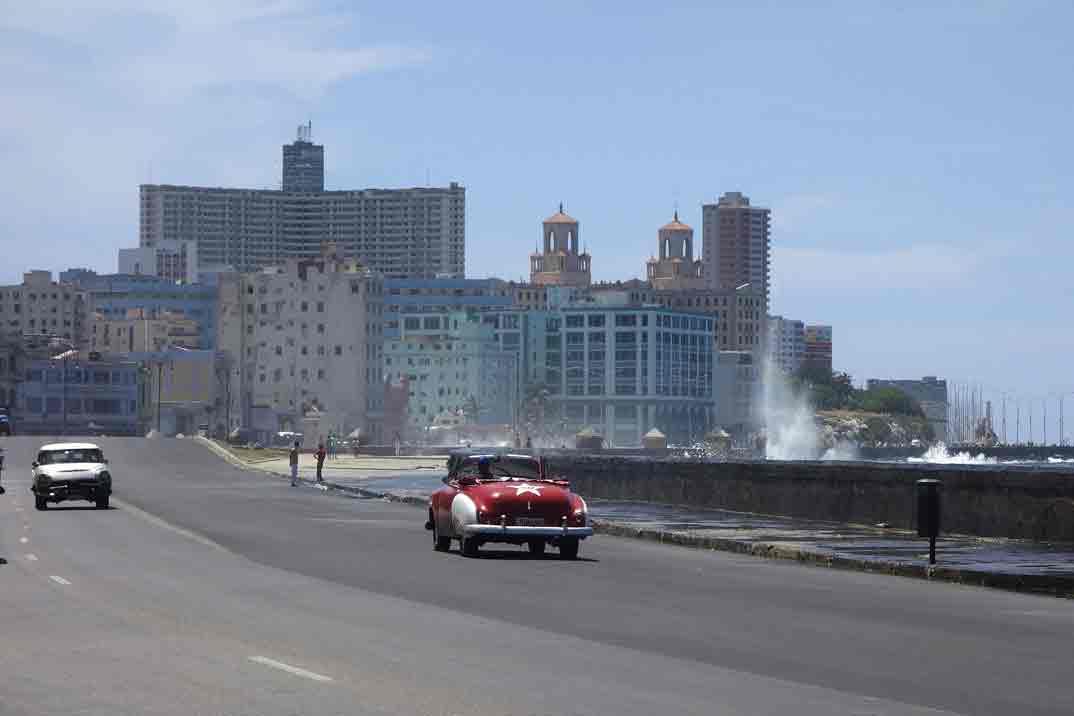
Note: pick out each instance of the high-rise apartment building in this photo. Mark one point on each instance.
(736, 243)
(303, 163)
(417, 233)
(786, 344)
(818, 349)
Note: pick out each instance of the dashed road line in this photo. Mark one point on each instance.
(59, 580)
(24, 540)
(31, 557)
(313, 676)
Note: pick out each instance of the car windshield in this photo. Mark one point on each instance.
(505, 467)
(55, 457)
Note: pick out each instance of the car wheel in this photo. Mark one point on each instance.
(102, 502)
(568, 548)
(469, 547)
(537, 547)
(40, 503)
(440, 544)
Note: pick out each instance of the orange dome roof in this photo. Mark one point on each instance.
(560, 218)
(676, 225)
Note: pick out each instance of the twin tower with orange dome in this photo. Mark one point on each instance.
(562, 262)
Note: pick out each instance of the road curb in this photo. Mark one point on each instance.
(1059, 586)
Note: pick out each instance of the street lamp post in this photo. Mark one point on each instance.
(160, 372)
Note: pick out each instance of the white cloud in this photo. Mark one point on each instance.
(167, 51)
(96, 92)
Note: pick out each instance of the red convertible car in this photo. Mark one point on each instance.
(506, 498)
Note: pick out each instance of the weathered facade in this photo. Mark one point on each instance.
(304, 340)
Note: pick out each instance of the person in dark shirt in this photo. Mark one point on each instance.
(321, 454)
(294, 465)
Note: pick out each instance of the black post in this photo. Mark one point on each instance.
(928, 513)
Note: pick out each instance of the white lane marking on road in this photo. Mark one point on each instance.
(24, 540)
(31, 557)
(60, 580)
(154, 520)
(18, 509)
(265, 661)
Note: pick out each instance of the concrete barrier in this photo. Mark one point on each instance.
(986, 502)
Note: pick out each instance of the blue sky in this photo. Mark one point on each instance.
(917, 159)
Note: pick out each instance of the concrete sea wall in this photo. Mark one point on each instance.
(987, 502)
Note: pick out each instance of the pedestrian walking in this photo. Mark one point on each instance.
(320, 461)
(331, 446)
(294, 465)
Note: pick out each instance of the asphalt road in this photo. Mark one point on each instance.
(210, 590)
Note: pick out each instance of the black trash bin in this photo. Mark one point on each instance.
(929, 504)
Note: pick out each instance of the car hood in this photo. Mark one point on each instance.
(70, 470)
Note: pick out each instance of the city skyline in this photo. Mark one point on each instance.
(911, 218)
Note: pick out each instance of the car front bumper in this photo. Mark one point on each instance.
(519, 532)
(73, 490)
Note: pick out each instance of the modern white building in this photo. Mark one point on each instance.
(786, 344)
(175, 261)
(303, 344)
(738, 390)
(456, 371)
(624, 369)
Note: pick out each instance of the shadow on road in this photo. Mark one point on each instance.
(77, 508)
(522, 555)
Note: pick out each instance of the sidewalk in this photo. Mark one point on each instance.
(1010, 564)
(348, 466)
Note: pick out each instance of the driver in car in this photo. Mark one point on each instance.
(484, 468)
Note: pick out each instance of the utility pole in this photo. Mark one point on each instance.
(1004, 418)
(160, 371)
(64, 383)
(1044, 407)
(1018, 423)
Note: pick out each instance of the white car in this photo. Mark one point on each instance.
(71, 471)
